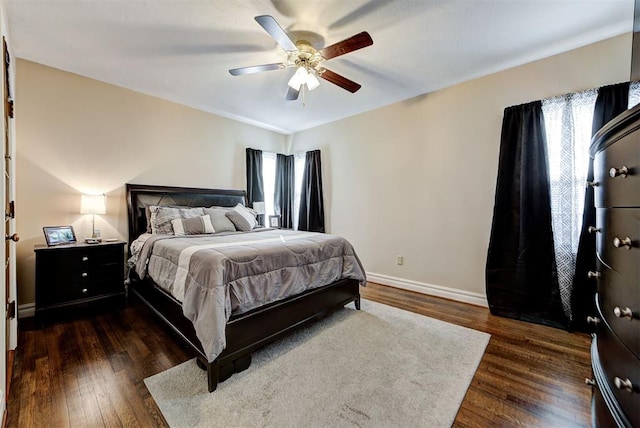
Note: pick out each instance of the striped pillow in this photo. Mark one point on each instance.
(192, 226)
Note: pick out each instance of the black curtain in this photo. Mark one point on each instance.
(311, 200)
(521, 275)
(612, 100)
(283, 199)
(255, 188)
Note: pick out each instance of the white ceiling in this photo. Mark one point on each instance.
(181, 50)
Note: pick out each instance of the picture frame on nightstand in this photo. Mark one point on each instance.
(274, 221)
(59, 235)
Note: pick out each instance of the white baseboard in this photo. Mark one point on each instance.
(27, 310)
(430, 289)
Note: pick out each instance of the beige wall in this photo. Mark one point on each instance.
(77, 135)
(417, 178)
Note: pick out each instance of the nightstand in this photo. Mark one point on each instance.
(77, 274)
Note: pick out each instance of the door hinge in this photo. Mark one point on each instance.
(11, 213)
(10, 108)
(11, 310)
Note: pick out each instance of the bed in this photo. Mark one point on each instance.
(245, 327)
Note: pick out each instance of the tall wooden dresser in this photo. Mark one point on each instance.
(615, 350)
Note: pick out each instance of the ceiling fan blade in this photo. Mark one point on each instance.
(274, 29)
(341, 81)
(256, 69)
(292, 94)
(353, 43)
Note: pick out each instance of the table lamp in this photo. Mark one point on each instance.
(93, 204)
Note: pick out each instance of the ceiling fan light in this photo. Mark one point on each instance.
(299, 78)
(312, 82)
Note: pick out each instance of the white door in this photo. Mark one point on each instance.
(8, 323)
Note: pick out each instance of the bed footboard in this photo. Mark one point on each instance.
(248, 332)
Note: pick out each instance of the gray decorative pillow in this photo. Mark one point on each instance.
(161, 217)
(192, 226)
(242, 218)
(219, 220)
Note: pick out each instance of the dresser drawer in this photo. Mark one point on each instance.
(620, 366)
(617, 228)
(616, 294)
(619, 191)
(605, 410)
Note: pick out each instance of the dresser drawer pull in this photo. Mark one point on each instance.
(84, 274)
(84, 290)
(623, 313)
(85, 258)
(593, 229)
(593, 275)
(620, 243)
(619, 172)
(593, 183)
(623, 384)
(590, 382)
(593, 320)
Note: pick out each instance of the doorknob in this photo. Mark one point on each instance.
(15, 237)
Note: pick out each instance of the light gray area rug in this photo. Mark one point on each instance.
(378, 367)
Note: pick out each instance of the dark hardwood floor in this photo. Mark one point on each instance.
(89, 370)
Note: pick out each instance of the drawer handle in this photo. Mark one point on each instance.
(593, 229)
(593, 320)
(85, 258)
(593, 275)
(620, 243)
(84, 274)
(84, 290)
(623, 384)
(589, 382)
(619, 172)
(593, 183)
(623, 313)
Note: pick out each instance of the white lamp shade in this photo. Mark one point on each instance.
(299, 78)
(312, 82)
(259, 207)
(93, 204)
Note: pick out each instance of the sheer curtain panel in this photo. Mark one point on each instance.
(568, 127)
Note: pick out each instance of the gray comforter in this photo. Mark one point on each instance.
(215, 276)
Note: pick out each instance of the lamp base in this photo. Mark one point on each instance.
(92, 240)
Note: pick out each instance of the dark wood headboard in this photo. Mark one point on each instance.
(140, 196)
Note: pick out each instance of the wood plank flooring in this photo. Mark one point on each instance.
(88, 371)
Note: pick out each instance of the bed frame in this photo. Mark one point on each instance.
(247, 332)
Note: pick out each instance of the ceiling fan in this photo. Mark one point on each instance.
(308, 61)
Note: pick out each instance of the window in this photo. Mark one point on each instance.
(269, 181)
(568, 121)
(269, 161)
(298, 169)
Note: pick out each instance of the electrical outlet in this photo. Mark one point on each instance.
(399, 260)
